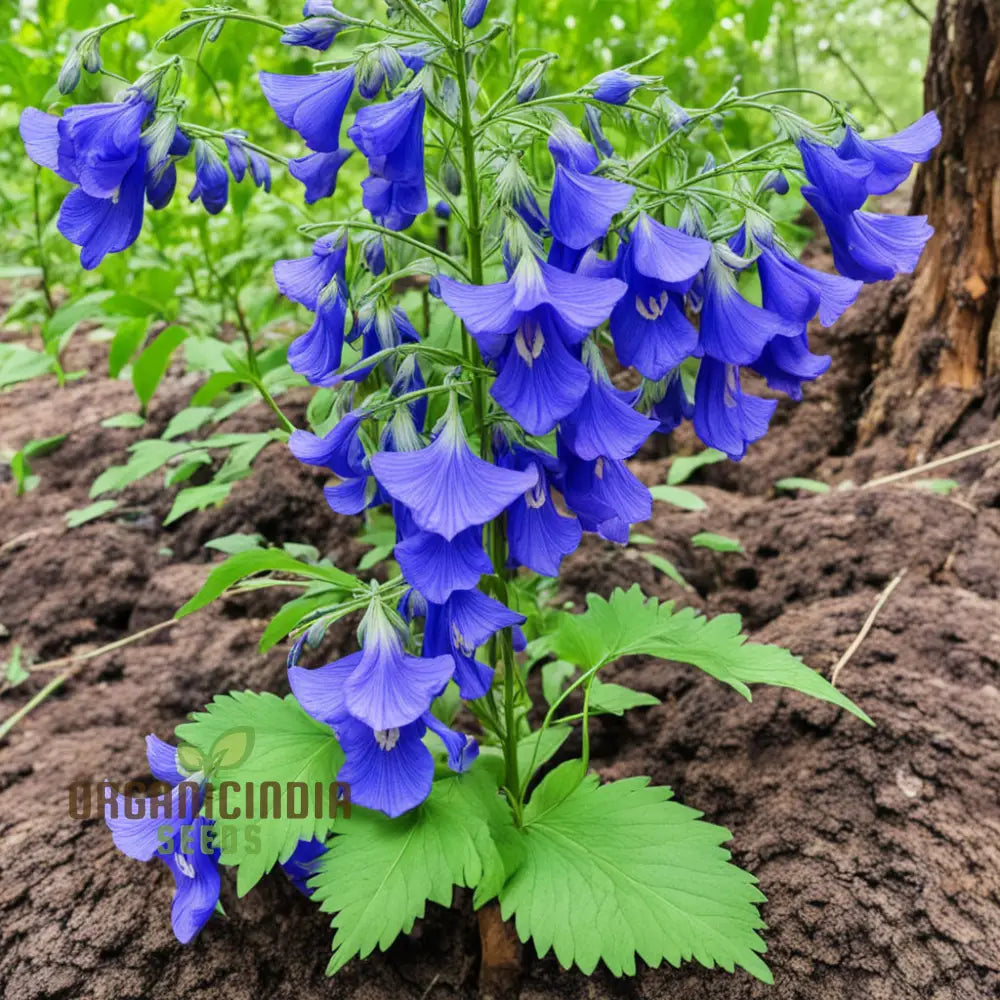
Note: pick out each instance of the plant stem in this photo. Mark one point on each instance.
(43, 262)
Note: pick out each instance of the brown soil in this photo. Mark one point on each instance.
(877, 848)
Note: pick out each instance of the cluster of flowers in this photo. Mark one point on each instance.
(537, 330)
(121, 158)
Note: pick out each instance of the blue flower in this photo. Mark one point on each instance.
(312, 105)
(604, 494)
(458, 627)
(340, 450)
(303, 278)
(445, 486)
(379, 328)
(161, 180)
(472, 12)
(211, 182)
(583, 206)
(443, 210)
(592, 118)
(671, 405)
(317, 353)
(241, 157)
(101, 226)
(867, 246)
(391, 138)
(384, 65)
(538, 534)
(374, 254)
(724, 416)
(570, 148)
(437, 566)
(842, 183)
(303, 863)
(318, 172)
(787, 362)
(196, 873)
(648, 325)
(525, 325)
(893, 158)
(317, 32)
(732, 329)
(605, 424)
(617, 86)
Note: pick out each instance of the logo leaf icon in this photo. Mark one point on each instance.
(232, 748)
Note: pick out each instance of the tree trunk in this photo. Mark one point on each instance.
(946, 357)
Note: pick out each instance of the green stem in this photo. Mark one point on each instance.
(43, 262)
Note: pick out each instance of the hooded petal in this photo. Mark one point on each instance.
(391, 770)
(197, 880)
(436, 567)
(313, 105)
(583, 206)
(139, 838)
(317, 353)
(303, 863)
(340, 450)
(843, 182)
(351, 496)
(462, 748)
(445, 486)
(604, 489)
(605, 423)
(617, 86)
(162, 759)
(45, 144)
(538, 535)
(570, 148)
(321, 692)
(724, 416)
(303, 278)
(787, 362)
(669, 255)
(795, 291)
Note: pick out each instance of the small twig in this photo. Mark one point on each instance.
(431, 985)
(937, 463)
(919, 11)
(867, 627)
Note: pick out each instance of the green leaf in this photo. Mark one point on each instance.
(379, 874)
(231, 544)
(197, 498)
(798, 483)
(695, 19)
(152, 364)
(940, 486)
(74, 518)
(684, 499)
(13, 669)
(618, 870)
(124, 420)
(292, 613)
(247, 737)
(20, 364)
(616, 699)
(667, 568)
(43, 446)
(127, 340)
(243, 564)
(682, 468)
(187, 420)
(631, 624)
(717, 543)
(758, 20)
(146, 457)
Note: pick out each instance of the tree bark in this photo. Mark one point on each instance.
(946, 357)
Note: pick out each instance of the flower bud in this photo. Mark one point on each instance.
(69, 75)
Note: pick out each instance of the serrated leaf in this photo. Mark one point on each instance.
(799, 483)
(74, 518)
(684, 499)
(618, 870)
(379, 874)
(717, 543)
(683, 467)
(631, 624)
(243, 564)
(287, 746)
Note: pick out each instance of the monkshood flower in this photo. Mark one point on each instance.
(162, 180)
(725, 417)
(648, 325)
(303, 278)
(339, 450)
(605, 424)
(570, 149)
(445, 486)
(893, 158)
(242, 158)
(318, 352)
(592, 118)
(525, 325)
(318, 172)
(391, 138)
(472, 12)
(436, 566)
(734, 330)
(787, 362)
(617, 86)
(312, 105)
(211, 181)
(583, 205)
(539, 535)
(374, 254)
(458, 627)
(604, 494)
(196, 873)
(303, 863)
(324, 22)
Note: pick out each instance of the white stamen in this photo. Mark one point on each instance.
(599, 468)
(664, 298)
(184, 865)
(386, 738)
(535, 497)
(640, 308)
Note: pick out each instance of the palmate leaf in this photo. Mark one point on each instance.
(247, 737)
(618, 870)
(379, 873)
(633, 624)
